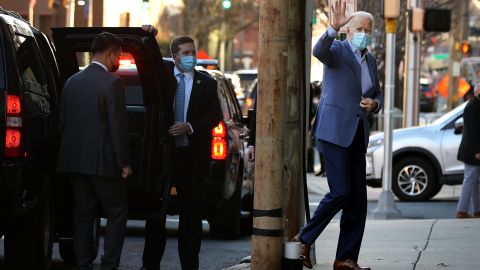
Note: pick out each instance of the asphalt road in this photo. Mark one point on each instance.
(222, 253)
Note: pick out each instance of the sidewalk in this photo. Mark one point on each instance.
(403, 244)
(407, 245)
(410, 244)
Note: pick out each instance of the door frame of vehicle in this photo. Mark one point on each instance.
(155, 84)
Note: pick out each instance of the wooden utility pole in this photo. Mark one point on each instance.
(292, 178)
(267, 234)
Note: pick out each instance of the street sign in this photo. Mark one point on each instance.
(351, 8)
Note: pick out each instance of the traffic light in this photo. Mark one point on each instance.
(466, 48)
(437, 20)
(227, 4)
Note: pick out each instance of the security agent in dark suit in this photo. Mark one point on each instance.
(94, 150)
(197, 111)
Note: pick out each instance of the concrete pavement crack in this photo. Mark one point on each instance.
(426, 245)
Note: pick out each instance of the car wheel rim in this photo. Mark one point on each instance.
(412, 180)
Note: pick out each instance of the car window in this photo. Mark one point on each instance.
(235, 107)
(127, 71)
(133, 85)
(50, 66)
(133, 88)
(444, 119)
(29, 65)
(223, 99)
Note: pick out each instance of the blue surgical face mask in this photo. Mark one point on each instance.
(361, 40)
(187, 63)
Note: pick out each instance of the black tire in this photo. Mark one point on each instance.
(29, 240)
(66, 249)
(414, 179)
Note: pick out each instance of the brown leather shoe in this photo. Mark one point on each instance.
(304, 252)
(463, 215)
(348, 265)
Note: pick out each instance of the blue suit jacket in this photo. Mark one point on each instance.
(339, 109)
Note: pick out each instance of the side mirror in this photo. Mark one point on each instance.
(458, 126)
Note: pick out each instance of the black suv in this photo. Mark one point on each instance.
(28, 142)
(35, 203)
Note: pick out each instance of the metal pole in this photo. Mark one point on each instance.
(412, 57)
(386, 208)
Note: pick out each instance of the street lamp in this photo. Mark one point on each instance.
(386, 208)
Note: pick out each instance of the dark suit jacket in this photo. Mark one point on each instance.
(470, 144)
(204, 113)
(93, 124)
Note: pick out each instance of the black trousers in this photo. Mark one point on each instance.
(111, 193)
(188, 179)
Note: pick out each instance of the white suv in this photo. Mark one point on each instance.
(424, 158)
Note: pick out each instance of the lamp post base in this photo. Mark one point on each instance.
(386, 208)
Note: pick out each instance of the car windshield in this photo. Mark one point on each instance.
(444, 119)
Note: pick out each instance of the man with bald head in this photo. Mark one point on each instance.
(350, 91)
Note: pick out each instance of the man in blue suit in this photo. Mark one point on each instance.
(351, 90)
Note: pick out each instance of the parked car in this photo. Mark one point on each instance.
(424, 158)
(240, 94)
(247, 76)
(28, 142)
(231, 194)
(428, 96)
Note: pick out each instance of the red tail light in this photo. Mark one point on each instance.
(219, 144)
(12, 138)
(13, 125)
(219, 131)
(12, 143)
(13, 105)
(219, 149)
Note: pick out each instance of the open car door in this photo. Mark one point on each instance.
(147, 98)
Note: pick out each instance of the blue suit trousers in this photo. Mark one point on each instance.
(346, 179)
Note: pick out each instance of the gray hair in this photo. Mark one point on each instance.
(360, 14)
